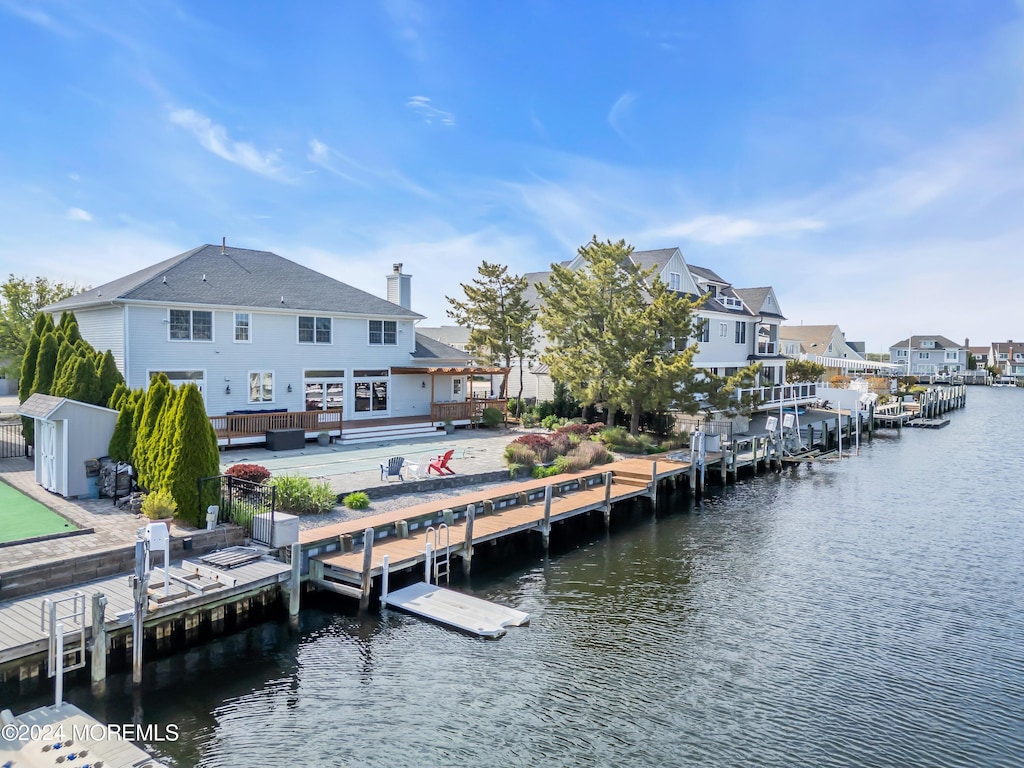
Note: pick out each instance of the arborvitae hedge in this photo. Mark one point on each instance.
(109, 376)
(145, 449)
(195, 454)
(46, 363)
(120, 443)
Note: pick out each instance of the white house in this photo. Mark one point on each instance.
(261, 334)
(826, 345)
(929, 355)
(1008, 357)
(740, 326)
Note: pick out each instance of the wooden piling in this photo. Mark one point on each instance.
(545, 529)
(467, 549)
(364, 599)
(608, 477)
(654, 485)
(99, 643)
(295, 586)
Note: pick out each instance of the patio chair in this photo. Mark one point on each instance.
(392, 469)
(440, 464)
(416, 468)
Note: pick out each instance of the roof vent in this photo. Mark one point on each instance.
(282, 299)
(223, 246)
(165, 279)
(204, 277)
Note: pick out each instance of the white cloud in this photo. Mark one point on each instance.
(345, 167)
(430, 113)
(32, 14)
(77, 214)
(408, 19)
(619, 114)
(722, 229)
(215, 138)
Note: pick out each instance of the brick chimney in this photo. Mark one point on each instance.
(400, 287)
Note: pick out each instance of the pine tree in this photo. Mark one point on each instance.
(120, 442)
(159, 387)
(137, 401)
(118, 396)
(46, 363)
(79, 381)
(69, 327)
(110, 377)
(28, 362)
(195, 453)
(163, 439)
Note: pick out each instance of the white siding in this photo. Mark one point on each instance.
(723, 351)
(103, 327)
(274, 346)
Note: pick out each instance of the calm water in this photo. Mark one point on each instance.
(862, 613)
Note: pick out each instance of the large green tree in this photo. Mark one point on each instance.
(20, 301)
(499, 319)
(194, 454)
(619, 338)
(798, 371)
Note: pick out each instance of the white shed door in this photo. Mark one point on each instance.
(46, 440)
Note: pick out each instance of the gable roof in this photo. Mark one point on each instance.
(40, 406)
(658, 259)
(941, 342)
(236, 277)
(707, 274)
(755, 298)
(446, 334)
(428, 350)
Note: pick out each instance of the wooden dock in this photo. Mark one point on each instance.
(22, 639)
(928, 423)
(456, 609)
(69, 736)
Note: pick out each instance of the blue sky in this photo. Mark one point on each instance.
(865, 159)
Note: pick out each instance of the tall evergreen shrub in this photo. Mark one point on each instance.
(195, 453)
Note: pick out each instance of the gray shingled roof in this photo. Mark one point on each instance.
(754, 299)
(658, 258)
(941, 342)
(39, 406)
(707, 274)
(429, 350)
(239, 277)
(446, 334)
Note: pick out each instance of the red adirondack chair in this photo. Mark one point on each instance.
(440, 464)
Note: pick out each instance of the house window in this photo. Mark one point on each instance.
(456, 387)
(723, 330)
(314, 330)
(928, 344)
(370, 391)
(768, 302)
(705, 332)
(191, 325)
(383, 332)
(179, 378)
(1002, 355)
(324, 389)
(675, 281)
(951, 355)
(261, 386)
(924, 355)
(242, 326)
(741, 332)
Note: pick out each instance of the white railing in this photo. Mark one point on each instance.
(788, 394)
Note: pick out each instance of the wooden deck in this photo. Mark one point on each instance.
(21, 634)
(500, 512)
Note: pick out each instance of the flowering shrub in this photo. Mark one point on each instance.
(254, 473)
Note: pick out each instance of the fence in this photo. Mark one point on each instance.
(248, 505)
(12, 442)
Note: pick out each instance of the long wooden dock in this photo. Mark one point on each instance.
(23, 639)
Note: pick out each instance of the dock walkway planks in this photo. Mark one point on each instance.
(456, 609)
(20, 623)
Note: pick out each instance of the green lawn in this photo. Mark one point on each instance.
(22, 517)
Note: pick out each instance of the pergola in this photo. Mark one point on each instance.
(454, 370)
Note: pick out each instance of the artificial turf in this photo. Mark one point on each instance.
(22, 517)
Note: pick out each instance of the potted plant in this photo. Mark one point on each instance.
(324, 438)
(449, 428)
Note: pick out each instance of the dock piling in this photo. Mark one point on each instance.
(384, 577)
(295, 586)
(654, 485)
(364, 599)
(99, 643)
(545, 529)
(467, 549)
(608, 478)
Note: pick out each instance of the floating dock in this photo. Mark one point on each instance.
(456, 609)
(68, 736)
(928, 423)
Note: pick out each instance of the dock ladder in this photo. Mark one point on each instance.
(438, 555)
(63, 621)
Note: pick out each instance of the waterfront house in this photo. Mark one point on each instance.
(1008, 356)
(827, 346)
(739, 326)
(263, 336)
(929, 356)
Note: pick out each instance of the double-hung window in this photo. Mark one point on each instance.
(675, 281)
(705, 332)
(191, 325)
(741, 332)
(242, 327)
(261, 386)
(383, 332)
(314, 330)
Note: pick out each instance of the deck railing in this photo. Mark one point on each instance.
(470, 410)
(237, 425)
(788, 394)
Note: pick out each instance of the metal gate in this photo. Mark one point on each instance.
(246, 504)
(12, 441)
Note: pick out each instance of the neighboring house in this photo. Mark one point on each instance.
(259, 333)
(826, 345)
(740, 326)
(453, 335)
(981, 356)
(1009, 357)
(8, 385)
(929, 356)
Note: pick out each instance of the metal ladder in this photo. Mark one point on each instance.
(438, 557)
(68, 613)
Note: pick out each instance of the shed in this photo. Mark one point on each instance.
(67, 435)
